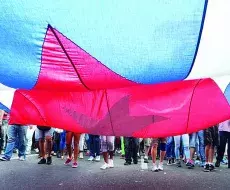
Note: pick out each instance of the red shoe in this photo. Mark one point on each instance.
(68, 161)
(74, 165)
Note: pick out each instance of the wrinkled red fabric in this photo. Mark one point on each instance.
(142, 111)
(67, 67)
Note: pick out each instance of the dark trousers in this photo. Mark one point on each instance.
(131, 149)
(94, 143)
(224, 138)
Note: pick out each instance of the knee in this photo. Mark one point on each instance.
(154, 146)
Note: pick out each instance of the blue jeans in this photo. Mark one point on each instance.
(94, 142)
(185, 143)
(13, 132)
(170, 147)
(192, 143)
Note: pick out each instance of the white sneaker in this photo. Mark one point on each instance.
(160, 166)
(98, 158)
(36, 150)
(111, 165)
(22, 158)
(91, 158)
(154, 168)
(105, 166)
(81, 155)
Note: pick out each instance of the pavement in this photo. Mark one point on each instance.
(28, 174)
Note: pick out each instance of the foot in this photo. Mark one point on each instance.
(98, 158)
(178, 163)
(49, 160)
(74, 165)
(217, 164)
(81, 155)
(154, 168)
(22, 158)
(91, 158)
(160, 166)
(68, 160)
(206, 168)
(135, 161)
(169, 163)
(4, 158)
(42, 161)
(104, 166)
(190, 164)
(146, 159)
(211, 167)
(127, 163)
(110, 164)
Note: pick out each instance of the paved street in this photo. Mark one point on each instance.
(28, 174)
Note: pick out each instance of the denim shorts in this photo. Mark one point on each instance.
(48, 133)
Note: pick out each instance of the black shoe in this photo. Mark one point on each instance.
(206, 168)
(169, 163)
(178, 163)
(217, 164)
(127, 163)
(135, 162)
(211, 167)
(42, 161)
(173, 161)
(49, 160)
(146, 160)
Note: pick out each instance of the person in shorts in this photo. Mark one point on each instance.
(45, 143)
(211, 140)
(155, 142)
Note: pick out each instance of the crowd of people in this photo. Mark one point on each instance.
(187, 150)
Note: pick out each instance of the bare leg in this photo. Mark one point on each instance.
(154, 153)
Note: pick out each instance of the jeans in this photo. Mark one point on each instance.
(13, 132)
(94, 142)
(131, 148)
(185, 143)
(62, 140)
(224, 138)
(192, 143)
(4, 134)
(170, 147)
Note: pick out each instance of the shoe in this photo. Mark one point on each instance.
(98, 158)
(173, 161)
(110, 164)
(28, 153)
(105, 166)
(206, 168)
(22, 158)
(68, 161)
(122, 156)
(81, 155)
(62, 157)
(135, 162)
(146, 159)
(160, 166)
(49, 160)
(36, 150)
(58, 155)
(4, 159)
(211, 167)
(74, 165)
(42, 161)
(154, 168)
(127, 163)
(178, 163)
(217, 164)
(202, 164)
(190, 164)
(91, 158)
(169, 163)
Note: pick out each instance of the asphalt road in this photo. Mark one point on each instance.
(28, 174)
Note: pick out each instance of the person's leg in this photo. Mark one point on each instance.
(228, 137)
(69, 136)
(81, 145)
(22, 142)
(111, 146)
(162, 153)
(221, 148)
(154, 146)
(48, 137)
(104, 149)
(128, 150)
(122, 146)
(135, 144)
(201, 147)
(29, 139)
(192, 146)
(147, 143)
(12, 134)
(76, 149)
(177, 143)
(169, 150)
(97, 145)
(41, 136)
(62, 143)
(5, 126)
